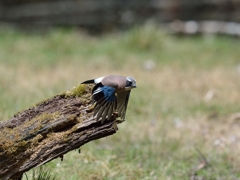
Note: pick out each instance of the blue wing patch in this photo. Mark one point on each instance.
(106, 92)
(109, 93)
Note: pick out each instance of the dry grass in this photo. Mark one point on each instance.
(179, 106)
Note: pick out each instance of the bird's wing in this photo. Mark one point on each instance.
(122, 102)
(105, 99)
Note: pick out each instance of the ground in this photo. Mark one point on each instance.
(183, 118)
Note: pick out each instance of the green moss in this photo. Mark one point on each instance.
(77, 90)
(46, 117)
(80, 119)
(40, 121)
(66, 138)
(21, 144)
(36, 139)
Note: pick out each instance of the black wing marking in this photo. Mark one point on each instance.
(122, 102)
(97, 92)
(88, 81)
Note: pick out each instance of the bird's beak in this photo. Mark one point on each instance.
(133, 86)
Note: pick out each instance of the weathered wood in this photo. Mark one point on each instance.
(49, 130)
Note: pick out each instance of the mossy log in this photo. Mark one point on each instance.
(49, 130)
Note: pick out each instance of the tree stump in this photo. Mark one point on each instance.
(49, 130)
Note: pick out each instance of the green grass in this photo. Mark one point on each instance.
(169, 115)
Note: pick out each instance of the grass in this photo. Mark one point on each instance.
(186, 99)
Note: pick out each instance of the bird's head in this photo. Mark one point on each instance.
(130, 83)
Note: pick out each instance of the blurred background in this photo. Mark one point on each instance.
(183, 16)
(183, 120)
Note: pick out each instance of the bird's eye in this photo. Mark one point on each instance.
(128, 83)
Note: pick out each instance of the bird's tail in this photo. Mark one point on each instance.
(88, 81)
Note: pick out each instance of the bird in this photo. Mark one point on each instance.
(111, 93)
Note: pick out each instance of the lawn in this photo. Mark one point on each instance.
(183, 119)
